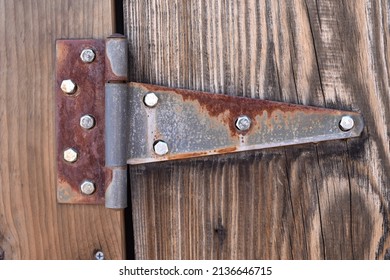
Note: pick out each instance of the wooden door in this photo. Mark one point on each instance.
(32, 224)
(317, 201)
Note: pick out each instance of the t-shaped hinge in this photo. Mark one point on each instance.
(104, 123)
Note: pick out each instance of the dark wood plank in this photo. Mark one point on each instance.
(32, 224)
(317, 201)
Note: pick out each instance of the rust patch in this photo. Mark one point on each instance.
(186, 155)
(226, 150)
(198, 154)
(229, 108)
(88, 99)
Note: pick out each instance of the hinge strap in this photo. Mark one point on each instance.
(104, 123)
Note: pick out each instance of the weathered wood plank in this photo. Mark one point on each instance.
(320, 201)
(32, 224)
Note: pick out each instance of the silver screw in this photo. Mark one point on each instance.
(68, 86)
(87, 187)
(70, 155)
(151, 99)
(243, 123)
(87, 55)
(99, 255)
(87, 122)
(161, 148)
(346, 123)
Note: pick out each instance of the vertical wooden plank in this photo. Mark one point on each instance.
(319, 201)
(32, 224)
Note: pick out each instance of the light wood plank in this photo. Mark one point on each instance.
(319, 201)
(32, 224)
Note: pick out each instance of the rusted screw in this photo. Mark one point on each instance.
(70, 155)
(151, 99)
(99, 255)
(87, 122)
(160, 148)
(87, 55)
(68, 86)
(346, 123)
(87, 187)
(243, 123)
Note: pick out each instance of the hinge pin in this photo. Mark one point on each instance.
(68, 86)
(70, 155)
(87, 187)
(151, 99)
(87, 55)
(346, 123)
(160, 148)
(243, 123)
(87, 122)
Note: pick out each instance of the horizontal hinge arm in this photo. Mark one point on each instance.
(186, 124)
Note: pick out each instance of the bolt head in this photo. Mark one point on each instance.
(151, 99)
(87, 55)
(70, 155)
(68, 86)
(160, 148)
(87, 122)
(346, 123)
(99, 255)
(87, 187)
(243, 123)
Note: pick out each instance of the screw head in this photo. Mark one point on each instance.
(160, 148)
(87, 187)
(243, 123)
(70, 155)
(87, 122)
(346, 123)
(151, 99)
(99, 255)
(87, 55)
(68, 86)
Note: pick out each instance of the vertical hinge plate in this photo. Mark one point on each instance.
(88, 144)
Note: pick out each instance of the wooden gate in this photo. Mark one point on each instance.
(315, 201)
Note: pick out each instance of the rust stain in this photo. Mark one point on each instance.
(186, 155)
(110, 76)
(88, 99)
(199, 154)
(226, 150)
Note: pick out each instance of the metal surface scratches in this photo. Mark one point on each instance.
(195, 124)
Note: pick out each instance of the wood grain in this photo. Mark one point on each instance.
(32, 224)
(317, 201)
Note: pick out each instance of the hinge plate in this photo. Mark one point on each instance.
(88, 98)
(135, 123)
(194, 124)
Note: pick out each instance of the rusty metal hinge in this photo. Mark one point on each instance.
(104, 123)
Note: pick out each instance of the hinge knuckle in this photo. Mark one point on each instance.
(116, 69)
(116, 124)
(116, 132)
(116, 192)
